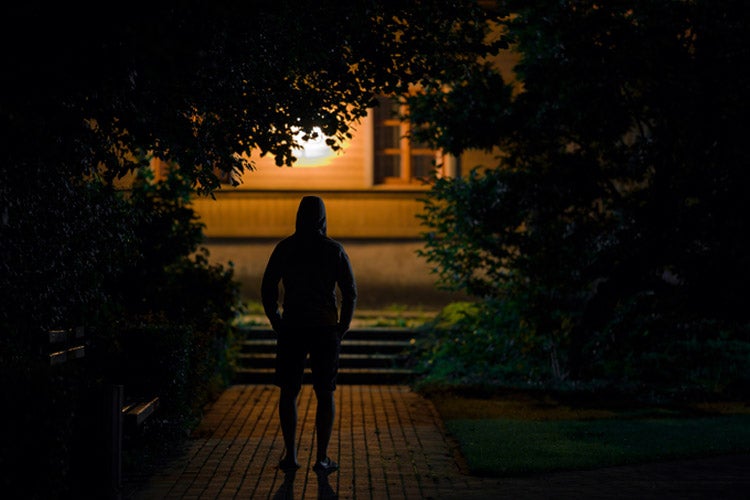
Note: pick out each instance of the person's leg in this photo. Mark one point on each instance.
(290, 360)
(324, 422)
(288, 419)
(324, 361)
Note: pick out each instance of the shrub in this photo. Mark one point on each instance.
(129, 267)
(488, 345)
(177, 308)
(481, 344)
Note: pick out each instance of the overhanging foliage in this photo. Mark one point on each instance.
(617, 209)
(216, 84)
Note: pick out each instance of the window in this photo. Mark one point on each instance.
(399, 160)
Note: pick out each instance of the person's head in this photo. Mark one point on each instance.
(311, 216)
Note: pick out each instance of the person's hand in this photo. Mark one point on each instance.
(276, 325)
(342, 329)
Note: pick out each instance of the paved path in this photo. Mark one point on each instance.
(391, 444)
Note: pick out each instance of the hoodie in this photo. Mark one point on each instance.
(309, 265)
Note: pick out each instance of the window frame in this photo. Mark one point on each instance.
(406, 150)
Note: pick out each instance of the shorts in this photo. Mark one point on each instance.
(293, 345)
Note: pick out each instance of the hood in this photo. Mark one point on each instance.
(311, 216)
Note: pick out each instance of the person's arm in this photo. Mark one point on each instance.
(269, 290)
(348, 288)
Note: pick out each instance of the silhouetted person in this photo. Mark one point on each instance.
(309, 265)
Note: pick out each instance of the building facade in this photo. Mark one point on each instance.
(373, 189)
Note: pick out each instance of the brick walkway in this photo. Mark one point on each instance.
(387, 440)
(390, 444)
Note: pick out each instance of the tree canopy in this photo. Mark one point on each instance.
(614, 220)
(91, 94)
(215, 84)
(94, 91)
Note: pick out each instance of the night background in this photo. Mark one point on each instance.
(599, 248)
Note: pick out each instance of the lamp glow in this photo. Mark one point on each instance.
(314, 151)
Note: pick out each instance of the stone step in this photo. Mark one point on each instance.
(368, 333)
(347, 346)
(346, 360)
(368, 356)
(350, 376)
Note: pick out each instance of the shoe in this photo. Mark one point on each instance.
(325, 467)
(288, 465)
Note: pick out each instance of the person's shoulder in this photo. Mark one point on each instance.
(328, 245)
(284, 243)
(327, 240)
(336, 247)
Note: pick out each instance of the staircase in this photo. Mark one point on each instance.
(369, 355)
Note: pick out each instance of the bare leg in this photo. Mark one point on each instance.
(324, 422)
(288, 419)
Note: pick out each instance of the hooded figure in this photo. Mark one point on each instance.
(309, 266)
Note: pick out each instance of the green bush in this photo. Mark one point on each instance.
(158, 318)
(63, 239)
(177, 308)
(672, 354)
(480, 344)
(609, 228)
(489, 345)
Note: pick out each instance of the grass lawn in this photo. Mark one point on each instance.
(519, 434)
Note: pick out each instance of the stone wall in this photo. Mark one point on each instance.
(387, 272)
